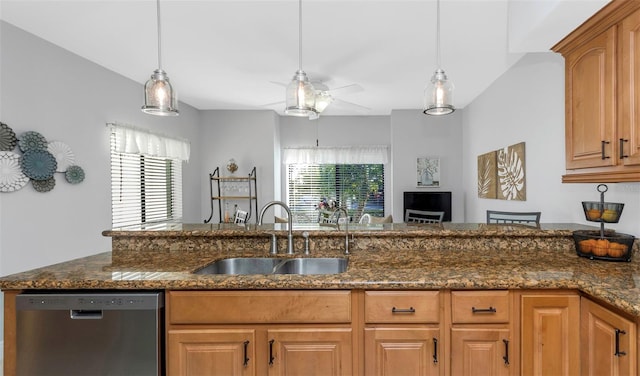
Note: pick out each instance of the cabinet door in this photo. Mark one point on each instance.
(480, 351)
(550, 335)
(402, 351)
(608, 342)
(590, 103)
(211, 352)
(312, 351)
(630, 90)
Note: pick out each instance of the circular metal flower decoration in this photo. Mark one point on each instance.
(11, 176)
(44, 185)
(74, 174)
(32, 141)
(39, 164)
(8, 140)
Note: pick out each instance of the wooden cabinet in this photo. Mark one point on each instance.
(481, 342)
(602, 101)
(402, 334)
(281, 332)
(608, 342)
(550, 333)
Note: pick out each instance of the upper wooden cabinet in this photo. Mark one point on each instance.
(602, 96)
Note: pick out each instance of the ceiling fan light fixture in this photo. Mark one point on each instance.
(300, 96)
(438, 95)
(159, 97)
(323, 100)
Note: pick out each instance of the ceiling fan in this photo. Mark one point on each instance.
(326, 97)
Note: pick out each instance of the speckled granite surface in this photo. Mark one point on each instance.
(500, 262)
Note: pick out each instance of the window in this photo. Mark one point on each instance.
(357, 187)
(144, 188)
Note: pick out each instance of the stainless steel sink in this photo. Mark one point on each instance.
(272, 265)
(329, 265)
(245, 265)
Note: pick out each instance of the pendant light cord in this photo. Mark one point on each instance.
(159, 36)
(300, 35)
(438, 34)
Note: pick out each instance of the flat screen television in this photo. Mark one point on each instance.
(431, 201)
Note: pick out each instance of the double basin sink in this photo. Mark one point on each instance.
(274, 265)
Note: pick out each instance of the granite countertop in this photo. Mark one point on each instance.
(397, 267)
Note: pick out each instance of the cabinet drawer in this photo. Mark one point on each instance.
(401, 307)
(272, 307)
(479, 307)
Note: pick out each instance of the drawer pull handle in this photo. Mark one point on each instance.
(271, 357)
(506, 352)
(622, 154)
(602, 144)
(483, 310)
(618, 352)
(435, 350)
(246, 354)
(403, 310)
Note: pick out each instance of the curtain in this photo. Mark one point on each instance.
(377, 154)
(140, 141)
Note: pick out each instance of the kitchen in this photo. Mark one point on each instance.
(41, 229)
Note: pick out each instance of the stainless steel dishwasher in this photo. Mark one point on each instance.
(90, 333)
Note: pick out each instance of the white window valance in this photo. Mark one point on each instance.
(135, 140)
(376, 154)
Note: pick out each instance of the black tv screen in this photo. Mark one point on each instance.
(430, 201)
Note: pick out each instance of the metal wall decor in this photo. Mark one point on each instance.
(501, 174)
(38, 163)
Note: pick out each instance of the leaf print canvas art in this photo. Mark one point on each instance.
(501, 174)
(511, 173)
(487, 175)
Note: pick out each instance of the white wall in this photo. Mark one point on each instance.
(249, 137)
(527, 104)
(414, 135)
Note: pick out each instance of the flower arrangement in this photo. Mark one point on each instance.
(326, 204)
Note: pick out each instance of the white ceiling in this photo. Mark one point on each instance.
(227, 54)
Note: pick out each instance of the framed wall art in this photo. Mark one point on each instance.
(428, 172)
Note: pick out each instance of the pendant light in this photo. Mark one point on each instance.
(300, 94)
(159, 96)
(438, 95)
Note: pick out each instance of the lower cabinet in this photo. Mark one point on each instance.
(396, 333)
(402, 334)
(608, 342)
(550, 330)
(481, 342)
(259, 333)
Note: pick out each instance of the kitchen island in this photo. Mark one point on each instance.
(449, 258)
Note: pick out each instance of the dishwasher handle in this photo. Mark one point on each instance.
(85, 314)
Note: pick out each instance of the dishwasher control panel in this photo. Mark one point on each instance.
(90, 301)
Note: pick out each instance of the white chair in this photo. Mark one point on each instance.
(366, 218)
(423, 216)
(525, 218)
(241, 216)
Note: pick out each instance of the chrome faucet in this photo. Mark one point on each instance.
(346, 238)
(290, 221)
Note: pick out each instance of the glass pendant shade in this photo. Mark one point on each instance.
(159, 96)
(300, 96)
(438, 95)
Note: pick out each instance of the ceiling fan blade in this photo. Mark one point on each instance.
(347, 89)
(358, 107)
(272, 104)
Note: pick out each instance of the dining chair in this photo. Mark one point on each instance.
(423, 216)
(366, 218)
(525, 218)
